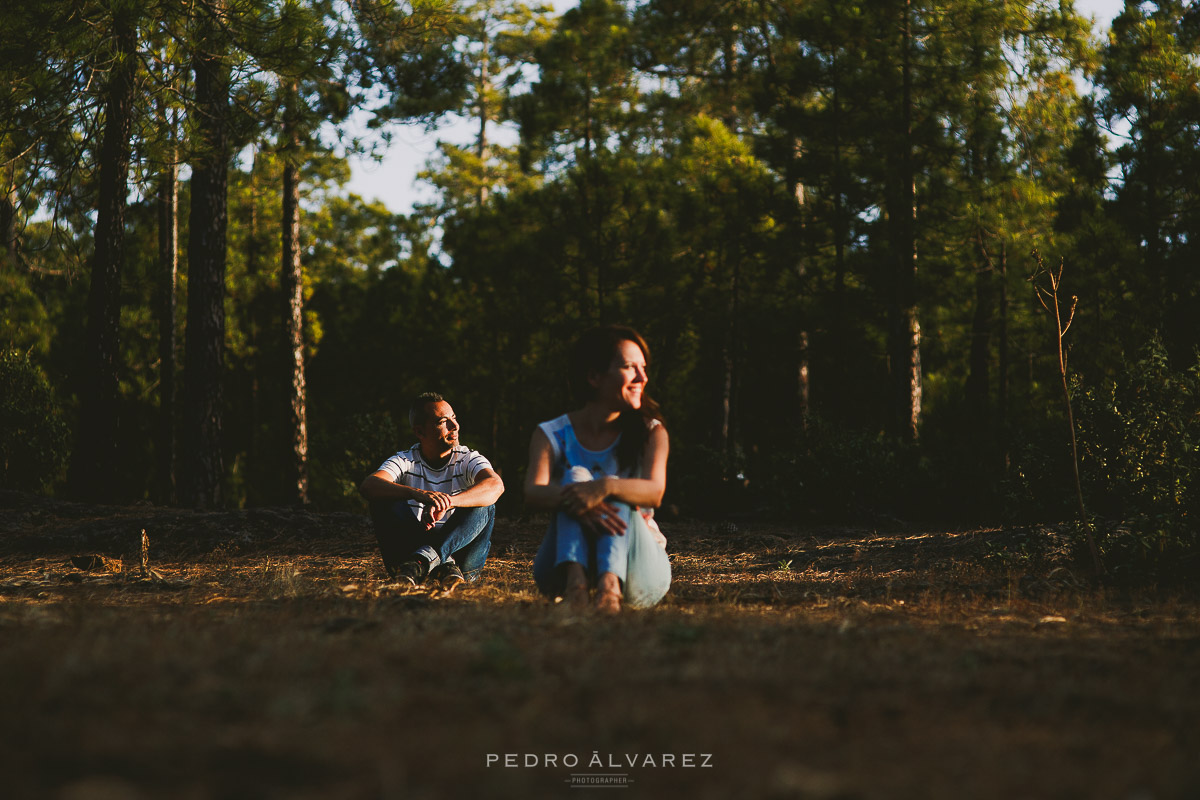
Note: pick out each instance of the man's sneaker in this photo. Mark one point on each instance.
(448, 575)
(412, 572)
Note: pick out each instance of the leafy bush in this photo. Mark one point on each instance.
(33, 437)
(1140, 458)
(25, 323)
(345, 454)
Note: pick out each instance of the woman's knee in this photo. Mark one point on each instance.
(576, 474)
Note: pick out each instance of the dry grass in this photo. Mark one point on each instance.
(265, 656)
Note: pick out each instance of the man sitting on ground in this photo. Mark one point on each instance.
(433, 505)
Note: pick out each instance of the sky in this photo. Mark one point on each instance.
(394, 180)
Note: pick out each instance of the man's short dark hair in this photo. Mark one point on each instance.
(417, 410)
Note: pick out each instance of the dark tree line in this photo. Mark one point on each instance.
(820, 213)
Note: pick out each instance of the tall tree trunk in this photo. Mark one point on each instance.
(1158, 299)
(906, 331)
(1002, 368)
(803, 383)
(840, 226)
(834, 381)
(599, 249)
(8, 222)
(204, 352)
(802, 375)
(977, 387)
(729, 360)
(292, 283)
(168, 271)
(259, 314)
(483, 86)
(730, 70)
(978, 380)
(96, 466)
(725, 431)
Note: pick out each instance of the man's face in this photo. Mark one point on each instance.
(439, 432)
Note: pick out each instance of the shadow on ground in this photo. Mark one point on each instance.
(263, 654)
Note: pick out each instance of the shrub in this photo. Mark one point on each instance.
(33, 437)
(345, 454)
(1140, 456)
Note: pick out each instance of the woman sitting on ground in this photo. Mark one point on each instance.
(603, 469)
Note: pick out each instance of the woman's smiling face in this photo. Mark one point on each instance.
(623, 383)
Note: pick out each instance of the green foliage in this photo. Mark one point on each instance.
(1140, 436)
(25, 324)
(722, 178)
(582, 104)
(343, 454)
(1149, 81)
(33, 436)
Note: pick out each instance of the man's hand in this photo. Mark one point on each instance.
(440, 500)
(430, 516)
(436, 505)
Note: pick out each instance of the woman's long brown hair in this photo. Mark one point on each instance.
(592, 353)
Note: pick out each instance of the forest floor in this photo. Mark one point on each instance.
(266, 656)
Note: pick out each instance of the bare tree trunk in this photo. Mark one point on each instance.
(483, 86)
(978, 388)
(726, 429)
(907, 327)
(835, 377)
(96, 466)
(978, 380)
(8, 223)
(910, 386)
(259, 313)
(600, 251)
(729, 376)
(291, 281)
(1159, 301)
(204, 352)
(802, 375)
(1002, 369)
(840, 226)
(805, 406)
(168, 270)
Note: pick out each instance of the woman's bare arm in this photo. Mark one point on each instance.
(643, 492)
(539, 492)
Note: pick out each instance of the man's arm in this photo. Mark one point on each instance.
(380, 486)
(487, 490)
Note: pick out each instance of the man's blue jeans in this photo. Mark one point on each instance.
(465, 539)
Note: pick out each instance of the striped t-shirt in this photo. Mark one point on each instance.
(460, 471)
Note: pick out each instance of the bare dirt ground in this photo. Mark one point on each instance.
(265, 656)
